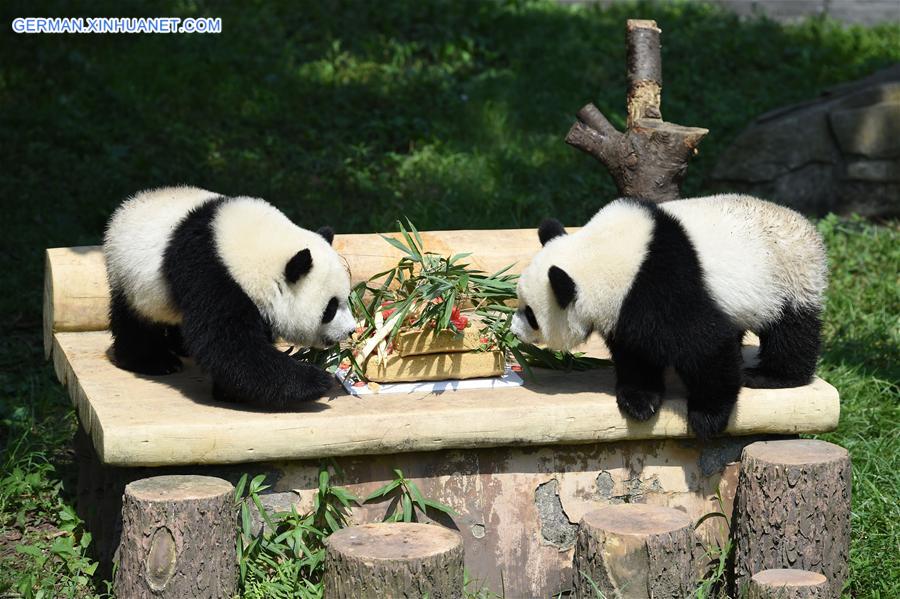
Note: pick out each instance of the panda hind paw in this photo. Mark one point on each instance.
(640, 404)
(707, 424)
(758, 378)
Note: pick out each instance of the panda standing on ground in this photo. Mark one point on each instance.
(220, 278)
(678, 284)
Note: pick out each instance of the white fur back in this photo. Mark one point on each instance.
(756, 256)
(137, 236)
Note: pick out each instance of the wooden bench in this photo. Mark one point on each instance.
(521, 466)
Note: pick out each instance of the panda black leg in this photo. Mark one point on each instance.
(175, 341)
(788, 350)
(138, 345)
(232, 343)
(639, 383)
(713, 383)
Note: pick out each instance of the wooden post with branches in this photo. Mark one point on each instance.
(649, 160)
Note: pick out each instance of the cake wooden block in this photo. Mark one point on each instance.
(434, 367)
(420, 342)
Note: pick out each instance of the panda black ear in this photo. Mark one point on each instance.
(549, 229)
(563, 286)
(297, 266)
(326, 232)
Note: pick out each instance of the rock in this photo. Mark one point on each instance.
(274, 503)
(838, 153)
(874, 170)
(872, 131)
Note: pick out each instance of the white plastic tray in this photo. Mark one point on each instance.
(509, 379)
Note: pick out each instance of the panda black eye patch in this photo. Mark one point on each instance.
(330, 310)
(529, 316)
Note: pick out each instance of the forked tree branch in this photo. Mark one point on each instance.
(650, 159)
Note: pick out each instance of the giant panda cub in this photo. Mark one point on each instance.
(678, 284)
(219, 279)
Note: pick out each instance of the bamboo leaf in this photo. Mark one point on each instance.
(256, 485)
(382, 491)
(416, 494)
(399, 245)
(411, 245)
(239, 488)
(440, 507)
(706, 517)
(332, 522)
(262, 511)
(323, 480)
(407, 509)
(460, 256)
(415, 232)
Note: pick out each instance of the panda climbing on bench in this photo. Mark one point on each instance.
(219, 279)
(678, 284)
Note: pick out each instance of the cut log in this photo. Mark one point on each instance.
(394, 560)
(789, 584)
(635, 551)
(792, 510)
(651, 158)
(178, 539)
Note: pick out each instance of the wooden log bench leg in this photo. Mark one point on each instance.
(635, 550)
(789, 584)
(178, 539)
(792, 510)
(394, 560)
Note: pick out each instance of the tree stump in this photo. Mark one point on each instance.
(792, 510)
(635, 551)
(394, 560)
(789, 584)
(178, 539)
(650, 159)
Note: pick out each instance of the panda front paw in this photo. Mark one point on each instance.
(707, 424)
(640, 404)
(306, 384)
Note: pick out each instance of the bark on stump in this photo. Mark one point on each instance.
(789, 584)
(394, 560)
(792, 510)
(635, 551)
(178, 539)
(651, 158)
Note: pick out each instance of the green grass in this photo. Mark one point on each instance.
(862, 359)
(359, 113)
